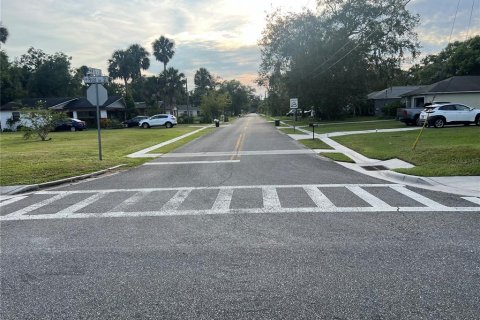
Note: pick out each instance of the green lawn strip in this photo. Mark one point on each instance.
(452, 151)
(337, 156)
(291, 131)
(314, 144)
(70, 154)
(172, 146)
(381, 124)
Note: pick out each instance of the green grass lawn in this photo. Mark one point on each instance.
(69, 154)
(314, 144)
(449, 151)
(359, 125)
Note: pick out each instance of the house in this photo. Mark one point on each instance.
(79, 108)
(183, 110)
(389, 95)
(460, 89)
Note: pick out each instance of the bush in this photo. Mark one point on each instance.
(115, 124)
(390, 110)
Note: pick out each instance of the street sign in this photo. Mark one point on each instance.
(95, 79)
(92, 95)
(93, 72)
(294, 103)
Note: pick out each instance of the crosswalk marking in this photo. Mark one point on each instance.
(176, 200)
(10, 200)
(137, 197)
(37, 205)
(369, 198)
(222, 202)
(80, 205)
(319, 198)
(270, 198)
(472, 199)
(418, 197)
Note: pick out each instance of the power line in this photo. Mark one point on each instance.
(470, 20)
(344, 56)
(454, 19)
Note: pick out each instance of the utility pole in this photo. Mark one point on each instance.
(188, 111)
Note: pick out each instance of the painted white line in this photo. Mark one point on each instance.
(346, 210)
(80, 205)
(143, 153)
(319, 198)
(270, 198)
(216, 188)
(224, 198)
(130, 201)
(37, 205)
(418, 197)
(369, 198)
(176, 200)
(11, 200)
(189, 162)
(472, 199)
(241, 153)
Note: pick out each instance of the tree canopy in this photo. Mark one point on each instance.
(332, 58)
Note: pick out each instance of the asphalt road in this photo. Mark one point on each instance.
(243, 223)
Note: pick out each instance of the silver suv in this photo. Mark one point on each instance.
(438, 115)
(166, 120)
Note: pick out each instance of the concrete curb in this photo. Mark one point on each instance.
(34, 187)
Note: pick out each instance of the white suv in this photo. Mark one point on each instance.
(166, 120)
(438, 115)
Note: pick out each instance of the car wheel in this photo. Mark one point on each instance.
(439, 123)
(145, 125)
(168, 125)
(477, 120)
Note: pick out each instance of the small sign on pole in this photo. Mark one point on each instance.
(97, 94)
(294, 103)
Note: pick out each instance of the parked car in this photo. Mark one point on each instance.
(438, 115)
(166, 120)
(70, 124)
(411, 116)
(134, 121)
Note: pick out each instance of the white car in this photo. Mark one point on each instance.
(166, 120)
(438, 115)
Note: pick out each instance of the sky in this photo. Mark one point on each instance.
(220, 35)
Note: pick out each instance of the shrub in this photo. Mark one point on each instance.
(390, 110)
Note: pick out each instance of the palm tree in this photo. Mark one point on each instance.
(203, 81)
(175, 82)
(163, 50)
(127, 64)
(139, 58)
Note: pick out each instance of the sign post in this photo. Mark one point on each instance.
(97, 95)
(294, 105)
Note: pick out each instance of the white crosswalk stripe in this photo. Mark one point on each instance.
(221, 203)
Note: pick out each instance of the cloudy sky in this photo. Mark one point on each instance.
(220, 35)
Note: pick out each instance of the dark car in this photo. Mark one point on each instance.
(70, 125)
(134, 121)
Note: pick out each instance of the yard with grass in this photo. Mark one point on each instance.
(314, 144)
(451, 151)
(70, 154)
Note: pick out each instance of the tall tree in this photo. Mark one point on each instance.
(175, 82)
(3, 34)
(329, 59)
(127, 64)
(204, 82)
(163, 50)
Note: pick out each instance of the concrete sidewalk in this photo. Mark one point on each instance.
(462, 185)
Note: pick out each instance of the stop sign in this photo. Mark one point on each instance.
(92, 94)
